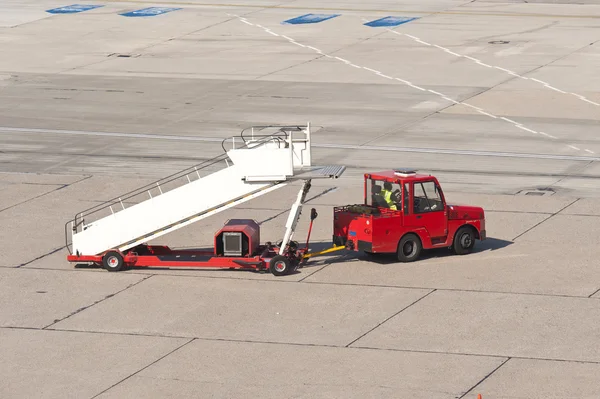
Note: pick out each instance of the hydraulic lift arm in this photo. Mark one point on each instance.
(293, 219)
(294, 215)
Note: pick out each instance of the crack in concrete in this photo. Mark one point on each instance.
(96, 302)
(391, 317)
(61, 186)
(145, 367)
(484, 378)
(545, 220)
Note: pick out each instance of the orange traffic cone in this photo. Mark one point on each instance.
(478, 396)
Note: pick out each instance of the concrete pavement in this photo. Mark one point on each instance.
(497, 99)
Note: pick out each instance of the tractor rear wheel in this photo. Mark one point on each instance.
(409, 248)
(280, 265)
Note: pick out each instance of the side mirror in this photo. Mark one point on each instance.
(313, 214)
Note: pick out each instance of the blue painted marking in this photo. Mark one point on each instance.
(149, 12)
(390, 21)
(73, 8)
(310, 19)
(353, 233)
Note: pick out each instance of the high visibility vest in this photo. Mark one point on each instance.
(387, 196)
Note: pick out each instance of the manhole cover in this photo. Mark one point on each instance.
(537, 192)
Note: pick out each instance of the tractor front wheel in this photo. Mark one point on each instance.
(464, 240)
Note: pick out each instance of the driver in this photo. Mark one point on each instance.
(387, 194)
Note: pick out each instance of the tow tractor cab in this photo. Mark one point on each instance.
(404, 212)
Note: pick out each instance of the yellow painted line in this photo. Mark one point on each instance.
(282, 7)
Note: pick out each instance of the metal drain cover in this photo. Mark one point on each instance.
(537, 192)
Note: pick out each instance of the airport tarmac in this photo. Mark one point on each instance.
(498, 99)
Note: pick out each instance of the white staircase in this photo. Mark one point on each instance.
(261, 163)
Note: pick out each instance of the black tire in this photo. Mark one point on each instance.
(280, 265)
(112, 261)
(409, 248)
(464, 240)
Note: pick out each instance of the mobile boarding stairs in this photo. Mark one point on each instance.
(261, 159)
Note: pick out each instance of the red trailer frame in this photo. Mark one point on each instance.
(256, 257)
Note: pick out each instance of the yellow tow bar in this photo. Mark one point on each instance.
(325, 251)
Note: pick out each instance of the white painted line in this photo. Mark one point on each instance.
(449, 99)
(526, 129)
(509, 120)
(462, 152)
(487, 114)
(573, 147)
(555, 89)
(343, 60)
(591, 102)
(372, 70)
(416, 87)
(435, 92)
(590, 151)
(248, 23)
(539, 81)
(385, 76)
(547, 135)
(379, 73)
(505, 70)
(546, 84)
(472, 106)
(7, 129)
(452, 52)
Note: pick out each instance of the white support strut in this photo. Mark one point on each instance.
(294, 216)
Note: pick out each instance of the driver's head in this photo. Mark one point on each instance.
(387, 185)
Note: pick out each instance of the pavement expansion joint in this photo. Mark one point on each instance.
(145, 367)
(97, 302)
(391, 317)
(546, 219)
(484, 378)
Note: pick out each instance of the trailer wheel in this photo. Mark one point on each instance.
(464, 240)
(409, 248)
(113, 261)
(280, 265)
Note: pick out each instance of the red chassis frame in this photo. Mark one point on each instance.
(260, 257)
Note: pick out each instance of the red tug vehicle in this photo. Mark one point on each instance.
(414, 217)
